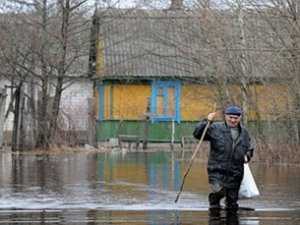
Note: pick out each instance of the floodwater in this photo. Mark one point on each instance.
(133, 188)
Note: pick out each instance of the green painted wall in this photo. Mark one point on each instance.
(161, 132)
(158, 132)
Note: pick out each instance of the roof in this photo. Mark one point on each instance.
(140, 43)
(164, 43)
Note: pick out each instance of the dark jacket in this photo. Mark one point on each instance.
(226, 159)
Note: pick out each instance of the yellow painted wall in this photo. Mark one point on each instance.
(129, 101)
(196, 101)
(107, 102)
(267, 101)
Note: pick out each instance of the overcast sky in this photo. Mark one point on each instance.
(149, 4)
(134, 3)
(7, 4)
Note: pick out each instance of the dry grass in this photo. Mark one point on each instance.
(268, 153)
(277, 153)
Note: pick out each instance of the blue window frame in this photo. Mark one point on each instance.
(101, 101)
(165, 101)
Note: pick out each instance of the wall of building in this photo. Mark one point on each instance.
(123, 101)
(76, 103)
(9, 120)
(129, 101)
(196, 101)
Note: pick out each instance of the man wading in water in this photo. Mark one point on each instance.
(230, 148)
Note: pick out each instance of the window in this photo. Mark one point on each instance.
(165, 101)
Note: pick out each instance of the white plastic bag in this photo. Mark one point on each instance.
(248, 187)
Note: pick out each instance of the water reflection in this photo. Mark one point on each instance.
(111, 187)
(216, 218)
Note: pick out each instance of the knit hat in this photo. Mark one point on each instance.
(233, 110)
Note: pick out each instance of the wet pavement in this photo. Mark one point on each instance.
(132, 188)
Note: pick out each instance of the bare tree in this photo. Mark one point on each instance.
(52, 54)
(280, 36)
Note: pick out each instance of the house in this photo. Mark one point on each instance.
(156, 75)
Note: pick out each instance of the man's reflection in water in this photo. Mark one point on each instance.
(226, 218)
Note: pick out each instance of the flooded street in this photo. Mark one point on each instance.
(132, 188)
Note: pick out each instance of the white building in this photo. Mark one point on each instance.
(74, 106)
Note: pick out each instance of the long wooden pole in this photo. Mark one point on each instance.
(192, 159)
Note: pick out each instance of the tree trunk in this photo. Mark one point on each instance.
(243, 63)
(33, 114)
(296, 75)
(91, 129)
(55, 109)
(15, 145)
(2, 114)
(66, 9)
(43, 127)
